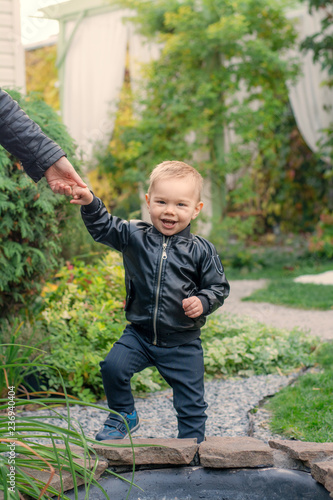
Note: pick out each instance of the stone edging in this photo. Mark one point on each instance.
(214, 452)
(226, 453)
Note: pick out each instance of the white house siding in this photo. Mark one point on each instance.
(12, 72)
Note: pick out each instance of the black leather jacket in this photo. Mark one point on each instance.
(23, 138)
(160, 272)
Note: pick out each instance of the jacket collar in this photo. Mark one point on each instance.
(185, 233)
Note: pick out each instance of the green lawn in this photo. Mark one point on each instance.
(299, 295)
(304, 411)
(278, 270)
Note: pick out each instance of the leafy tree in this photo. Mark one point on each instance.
(222, 66)
(41, 74)
(114, 178)
(32, 218)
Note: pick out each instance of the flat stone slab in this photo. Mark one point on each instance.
(307, 452)
(323, 473)
(157, 451)
(235, 452)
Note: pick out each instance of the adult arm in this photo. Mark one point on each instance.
(38, 154)
(23, 138)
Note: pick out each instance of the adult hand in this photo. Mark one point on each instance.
(61, 177)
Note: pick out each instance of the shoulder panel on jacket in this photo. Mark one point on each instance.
(139, 225)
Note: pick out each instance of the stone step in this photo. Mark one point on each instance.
(214, 453)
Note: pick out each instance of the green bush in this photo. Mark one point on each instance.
(321, 243)
(283, 257)
(83, 316)
(241, 346)
(32, 218)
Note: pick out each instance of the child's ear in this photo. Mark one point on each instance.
(147, 200)
(197, 209)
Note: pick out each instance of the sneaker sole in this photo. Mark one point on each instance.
(132, 430)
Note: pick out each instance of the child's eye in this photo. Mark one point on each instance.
(161, 202)
(181, 205)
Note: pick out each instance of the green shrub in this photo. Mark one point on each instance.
(283, 257)
(321, 243)
(31, 217)
(83, 316)
(241, 346)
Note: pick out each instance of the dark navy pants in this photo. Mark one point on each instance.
(182, 367)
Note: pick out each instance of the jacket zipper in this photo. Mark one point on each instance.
(164, 256)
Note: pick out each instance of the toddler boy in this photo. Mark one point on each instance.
(173, 281)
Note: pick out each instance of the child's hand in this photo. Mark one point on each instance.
(81, 196)
(192, 307)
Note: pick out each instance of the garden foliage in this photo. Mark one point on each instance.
(32, 218)
(16, 357)
(321, 243)
(42, 74)
(84, 316)
(52, 445)
(244, 347)
(222, 74)
(115, 176)
(218, 98)
(286, 292)
(304, 411)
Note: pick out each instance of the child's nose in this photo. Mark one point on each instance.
(169, 209)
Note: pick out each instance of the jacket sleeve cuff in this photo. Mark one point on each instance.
(36, 170)
(92, 207)
(205, 304)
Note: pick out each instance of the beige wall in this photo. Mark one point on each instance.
(12, 73)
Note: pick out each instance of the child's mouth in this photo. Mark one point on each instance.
(168, 223)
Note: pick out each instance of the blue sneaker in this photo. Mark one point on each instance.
(115, 428)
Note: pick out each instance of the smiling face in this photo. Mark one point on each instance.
(173, 203)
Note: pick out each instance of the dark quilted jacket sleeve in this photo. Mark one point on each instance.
(105, 228)
(214, 287)
(23, 138)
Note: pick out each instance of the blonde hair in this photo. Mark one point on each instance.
(175, 169)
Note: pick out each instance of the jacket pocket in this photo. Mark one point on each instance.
(218, 264)
(129, 295)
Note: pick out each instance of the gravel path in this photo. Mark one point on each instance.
(230, 402)
(319, 323)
